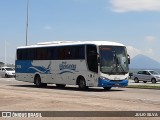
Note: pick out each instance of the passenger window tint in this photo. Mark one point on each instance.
(52, 53)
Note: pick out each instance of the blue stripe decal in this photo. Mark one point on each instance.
(66, 72)
(28, 66)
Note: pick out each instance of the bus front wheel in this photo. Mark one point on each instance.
(82, 84)
(107, 88)
(60, 85)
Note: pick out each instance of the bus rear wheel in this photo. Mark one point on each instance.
(38, 82)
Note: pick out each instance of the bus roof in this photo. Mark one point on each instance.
(67, 43)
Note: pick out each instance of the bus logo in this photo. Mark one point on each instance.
(67, 68)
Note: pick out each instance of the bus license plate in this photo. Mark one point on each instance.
(116, 84)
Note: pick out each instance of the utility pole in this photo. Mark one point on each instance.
(5, 54)
(27, 23)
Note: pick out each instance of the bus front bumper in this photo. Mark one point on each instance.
(112, 83)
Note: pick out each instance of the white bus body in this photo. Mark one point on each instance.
(86, 64)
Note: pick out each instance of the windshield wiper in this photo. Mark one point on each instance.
(117, 65)
(123, 71)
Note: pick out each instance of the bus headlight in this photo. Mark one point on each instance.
(103, 78)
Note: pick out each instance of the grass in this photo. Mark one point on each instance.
(144, 86)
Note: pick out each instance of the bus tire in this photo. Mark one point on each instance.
(82, 83)
(107, 88)
(60, 85)
(44, 84)
(37, 81)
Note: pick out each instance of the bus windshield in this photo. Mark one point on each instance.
(113, 60)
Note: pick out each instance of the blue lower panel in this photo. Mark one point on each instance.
(112, 83)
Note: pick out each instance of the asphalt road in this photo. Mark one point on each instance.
(22, 96)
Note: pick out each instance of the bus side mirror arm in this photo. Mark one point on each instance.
(98, 60)
(129, 61)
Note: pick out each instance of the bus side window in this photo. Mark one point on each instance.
(30, 54)
(76, 52)
(55, 54)
(60, 53)
(24, 55)
(38, 53)
(81, 54)
(19, 54)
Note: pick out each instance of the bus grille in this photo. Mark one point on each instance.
(116, 80)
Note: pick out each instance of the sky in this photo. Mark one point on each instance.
(134, 23)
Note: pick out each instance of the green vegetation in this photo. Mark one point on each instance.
(144, 86)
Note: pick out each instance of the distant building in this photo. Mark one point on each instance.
(1, 64)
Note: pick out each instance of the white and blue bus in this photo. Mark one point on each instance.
(83, 63)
